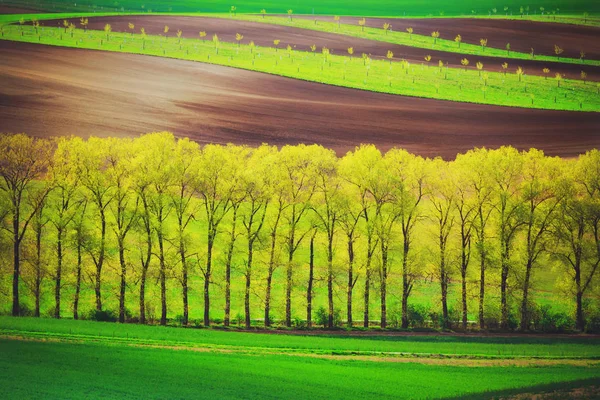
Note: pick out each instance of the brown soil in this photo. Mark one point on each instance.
(522, 35)
(302, 39)
(16, 10)
(49, 91)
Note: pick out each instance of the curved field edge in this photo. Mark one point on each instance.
(432, 346)
(368, 33)
(100, 370)
(373, 75)
(405, 39)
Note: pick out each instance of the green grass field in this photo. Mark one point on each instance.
(428, 81)
(325, 7)
(128, 361)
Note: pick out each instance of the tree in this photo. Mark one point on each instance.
(179, 34)
(408, 174)
(92, 160)
(583, 76)
(479, 66)
(410, 31)
(131, 28)
(350, 51)
(64, 205)
(327, 209)
(362, 22)
(80, 240)
(290, 12)
(363, 170)
(202, 34)
(582, 56)
(215, 187)
(216, 42)
(506, 175)
(24, 160)
(84, 22)
(442, 197)
(427, 58)
(238, 38)
(276, 43)
(504, 67)
(263, 12)
(107, 30)
(508, 49)
(155, 183)
(386, 27)
(520, 72)
(558, 51)
(337, 19)
(166, 31)
(297, 187)
(540, 200)
(122, 207)
(577, 227)
(435, 35)
(390, 56)
(558, 78)
(483, 43)
(256, 188)
(458, 40)
(464, 63)
(546, 71)
(233, 10)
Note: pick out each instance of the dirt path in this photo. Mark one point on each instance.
(447, 360)
(50, 91)
(302, 39)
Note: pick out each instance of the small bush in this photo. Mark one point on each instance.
(25, 310)
(545, 320)
(418, 315)
(298, 323)
(322, 317)
(102, 316)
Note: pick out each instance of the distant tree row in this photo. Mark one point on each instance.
(166, 206)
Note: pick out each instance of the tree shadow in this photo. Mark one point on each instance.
(535, 389)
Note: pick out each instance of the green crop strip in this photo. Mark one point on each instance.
(436, 82)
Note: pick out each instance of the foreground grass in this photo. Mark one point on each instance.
(549, 347)
(67, 366)
(367, 74)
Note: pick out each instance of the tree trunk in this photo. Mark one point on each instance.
(504, 287)
(579, 320)
(123, 281)
(271, 270)
(248, 283)
(350, 278)
(16, 308)
(230, 249)
(405, 283)
(145, 264)
(207, 276)
(77, 282)
(58, 282)
(38, 271)
(309, 290)
(184, 280)
(367, 283)
(524, 304)
(383, 287)
(464, 297)
(163, 280)
(330, 277)
(444, 283)
(288, 283)
(99, 265)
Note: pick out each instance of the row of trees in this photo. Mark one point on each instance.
(142, 204)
